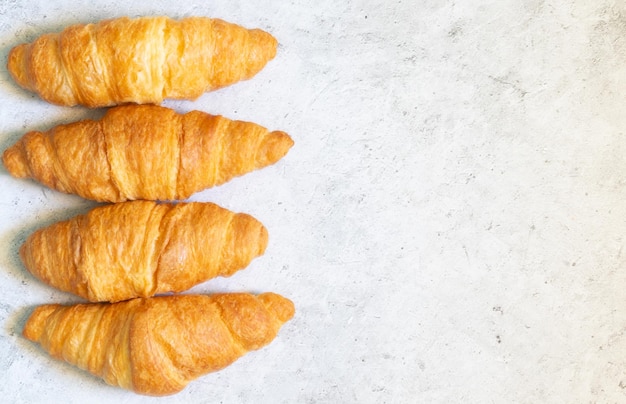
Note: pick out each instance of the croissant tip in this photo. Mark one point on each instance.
(15, 65)
(264, 38)
(23, 251)
(283, 307)
(15, 163)
(263, 240)
(285, 143)
(286, 139)
(272, 46)
(274, 147)
(35, 324)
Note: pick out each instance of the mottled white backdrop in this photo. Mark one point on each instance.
(450, 222)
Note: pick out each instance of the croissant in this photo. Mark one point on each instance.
(142, 248)
(140, 60)
(156, 346)
(144, 152)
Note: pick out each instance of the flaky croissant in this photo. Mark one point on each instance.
(144, 152)
(140, 60)
(156, 346)
(142, 248)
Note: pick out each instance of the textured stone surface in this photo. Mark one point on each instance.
(449, 224)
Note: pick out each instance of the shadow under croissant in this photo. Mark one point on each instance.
(16, 321)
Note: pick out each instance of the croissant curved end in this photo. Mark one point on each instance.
(24, 252)
(250, 239)
(274, 147)
(264, 49)
(37, 321)
(261, 48)
(15, 162)
(263, 238)
(16, 66)
(283, 307)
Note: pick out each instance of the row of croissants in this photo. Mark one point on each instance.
(127, 257)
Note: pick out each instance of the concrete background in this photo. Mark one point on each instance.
(450, 223)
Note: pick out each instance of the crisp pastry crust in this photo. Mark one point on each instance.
(156, 346)
(140, 60)
(144, 152)
(142, 248)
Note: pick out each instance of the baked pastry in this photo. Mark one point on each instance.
(142, 248)
(140, 60)
(144, 152)
(156, 346)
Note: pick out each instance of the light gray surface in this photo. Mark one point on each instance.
(449, 223)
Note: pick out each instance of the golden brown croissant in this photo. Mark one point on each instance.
(142, 248)
(144, 152)
(141, 60)
(156, 346)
